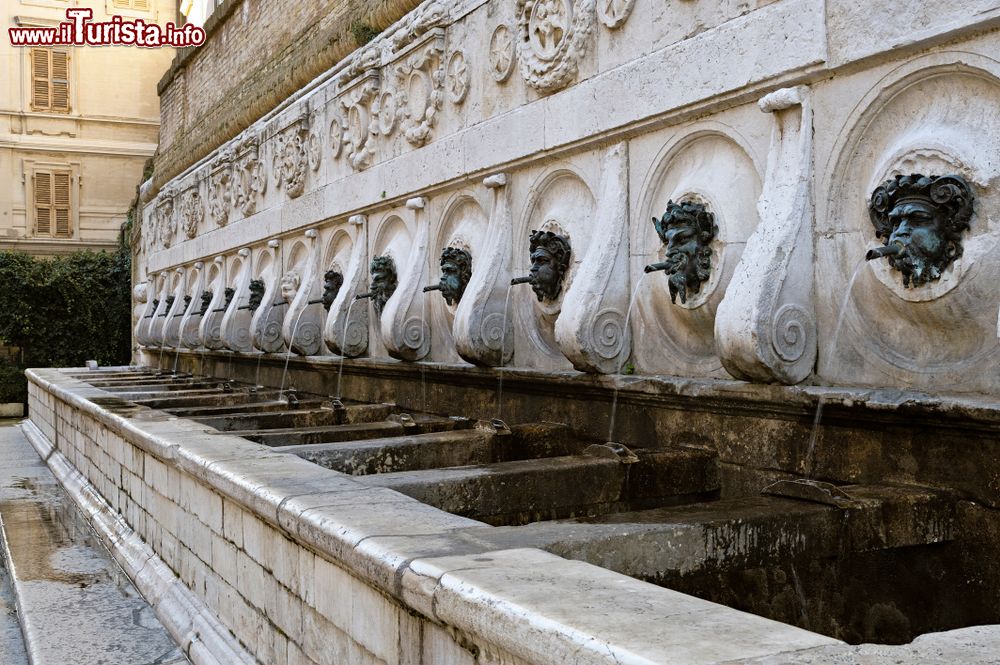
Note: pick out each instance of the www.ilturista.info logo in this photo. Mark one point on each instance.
(79, 30)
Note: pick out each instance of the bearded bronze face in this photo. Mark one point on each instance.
(550, 259)
(687, 229)
(384, 281)
(456, 271)
(332, 281)
(257, 289)
(920, 219)
(206, 301)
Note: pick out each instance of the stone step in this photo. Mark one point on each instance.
(523, 491)
(75, 605)
(250, 420)
(463, 447)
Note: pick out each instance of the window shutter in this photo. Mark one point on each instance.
(43, 203)
(61, 203)
(40, 97)
(60, 81)
(120, 4)
(142, 5)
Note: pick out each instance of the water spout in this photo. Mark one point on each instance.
(891, 249)
(362, 296)
(522, 280)
(432, 287)
(654, 267)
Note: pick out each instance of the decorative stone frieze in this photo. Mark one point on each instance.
(220, 190)
(552, 37)
(458, 78)
(165, 222)
(249, 176)
(292, 157)
(501, 55)
(420, 87)
(355, 118)
(614, 13)
(192, 210)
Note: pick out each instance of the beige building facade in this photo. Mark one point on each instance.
(77, 125)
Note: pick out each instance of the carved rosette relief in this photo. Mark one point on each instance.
(553, 36)
(291, 158)
(356, 123)
(614, 13)
(458, 78)
(502, 56)
(420, 83)
(192, 211)
(249, 178)
(220, 192)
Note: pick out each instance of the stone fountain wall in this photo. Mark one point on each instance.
(471, 124)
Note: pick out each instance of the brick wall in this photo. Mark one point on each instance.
(258, 53)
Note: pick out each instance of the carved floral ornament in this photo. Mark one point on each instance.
(553, 36)
(296, 147)
(192, 211)
(420, 82)
(350, 131)
(165, 224)
(501, 55)
(920, 220)
(614, 13)
(249, 177)
(220, 190)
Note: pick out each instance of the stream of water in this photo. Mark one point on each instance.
(623, 356)
(503, 352)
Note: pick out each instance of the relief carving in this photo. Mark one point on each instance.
(192, 211)
(687, 230)
(420, 83)
(502, 56)
(356, 122)
(220, 192)
(250, 177)
(291, 157)
(614, 13)
(553, 36)
(920, 220)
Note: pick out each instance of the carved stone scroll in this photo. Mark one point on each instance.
(303, 327)
(346, 331)
(591, 330)
(236, 321)
(269, 316)
(480, 329)
(188, 333)
(210, 328)
(172, 325)
(765, 326)
(405, 333)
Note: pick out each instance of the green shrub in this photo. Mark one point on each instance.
(13, 387)
(63, 311)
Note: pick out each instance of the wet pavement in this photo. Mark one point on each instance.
(74, 604)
